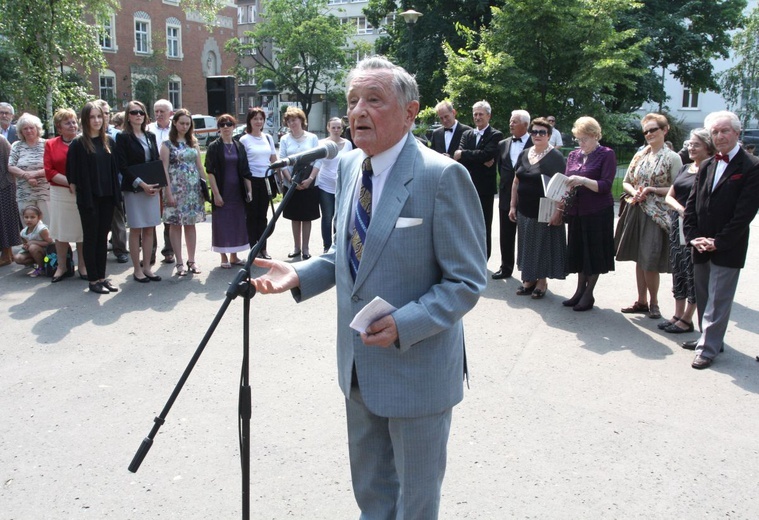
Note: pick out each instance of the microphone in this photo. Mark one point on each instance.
(328, 150)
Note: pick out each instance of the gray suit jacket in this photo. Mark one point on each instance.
(433, 273)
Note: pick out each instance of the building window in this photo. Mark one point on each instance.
(252, 13)
(108, 87)
(175, 92)
(335, 2)
(690, 98)
(142, 33)
(108, 33)
(240, 15)
(174, 38)
(363, 26)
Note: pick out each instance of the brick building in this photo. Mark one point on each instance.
(155, 50)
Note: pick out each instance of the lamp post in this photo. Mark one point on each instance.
(410, 17)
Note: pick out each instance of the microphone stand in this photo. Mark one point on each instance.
(240, 286)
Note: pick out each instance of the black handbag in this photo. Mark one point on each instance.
(204, 190)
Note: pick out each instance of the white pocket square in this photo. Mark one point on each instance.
(403, 222)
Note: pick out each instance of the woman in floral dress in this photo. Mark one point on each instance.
(184, 205)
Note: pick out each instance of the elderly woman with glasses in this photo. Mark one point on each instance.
(642, 234)
(27, 164)
(590, 218)
(700, 148)
(542, 246)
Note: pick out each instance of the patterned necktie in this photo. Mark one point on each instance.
(363, 216)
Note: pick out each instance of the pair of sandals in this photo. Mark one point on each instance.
(228, 265)
(191, 268)
(671, 326)
(532, 290)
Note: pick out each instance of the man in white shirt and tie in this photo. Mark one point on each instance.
(446, 139)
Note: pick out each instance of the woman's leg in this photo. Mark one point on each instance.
(7, 256)
(61, 250)
(134, 250)
(640, 279)
(147, 248)
(306, 235)
(327, 207)
(296, 236)
(175, 235)
(652, 284)
(190, 236)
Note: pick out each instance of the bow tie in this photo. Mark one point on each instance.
(720, 157)
(449, 129)
(516, 139)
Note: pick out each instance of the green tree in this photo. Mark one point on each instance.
(308, 48)
(740, 83)
(437, 25)
(46, 35)
(684, 38)
(563, 57)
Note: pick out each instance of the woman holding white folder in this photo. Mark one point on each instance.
(542, 246)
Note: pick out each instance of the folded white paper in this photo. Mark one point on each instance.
(403, 222)
(374, 310)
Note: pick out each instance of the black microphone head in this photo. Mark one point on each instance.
(332, 149)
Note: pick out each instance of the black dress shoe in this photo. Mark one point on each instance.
(306, 256)
(141, 280)
(524, 291)
(584, 307)
(689, 345)
(153, 278)
(500, 275)
(108, 285)
(97, 287)
(296, 254)
(699, 363)
(57, 279)
(574, 300)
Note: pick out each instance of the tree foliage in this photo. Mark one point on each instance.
(684, 38)
(740, 83)
(563, 57)
(309, 48)
(437, 25)
(44, 36)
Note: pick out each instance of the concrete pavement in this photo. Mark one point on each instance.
(569, 415)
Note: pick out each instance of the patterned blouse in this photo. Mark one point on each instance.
(29, 158)
(658, 170)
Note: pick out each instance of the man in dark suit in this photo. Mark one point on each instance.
(722, 204)
(447, 138)
(508, 153)
(408, 231)
(477, 152)
(7, 129)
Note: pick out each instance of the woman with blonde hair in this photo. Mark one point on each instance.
(304, 204)
(64, 222)
(642, 234)
(27, 164)
(590, 219)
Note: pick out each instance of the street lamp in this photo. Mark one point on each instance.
(410, 17)
(269, 102)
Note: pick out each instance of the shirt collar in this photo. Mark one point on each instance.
(383, 161)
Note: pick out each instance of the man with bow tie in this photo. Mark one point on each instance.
(508, 155)
(721, 206)
(477, 152)
(447, 138)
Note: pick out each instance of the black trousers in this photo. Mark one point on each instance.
(256, 210)
(96, 224)
(508, 237)
(486, 201)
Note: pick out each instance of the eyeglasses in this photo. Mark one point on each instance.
(136, 113)
(651, 131)
(226, 124)
(582, 140)
(551, 120)
(539, 132)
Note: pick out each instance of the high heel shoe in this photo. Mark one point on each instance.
(585, 307)
(525, 290)
(574, 300)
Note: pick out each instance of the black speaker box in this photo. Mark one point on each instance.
(221, 95)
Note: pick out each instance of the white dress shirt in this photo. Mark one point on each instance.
(722, 165)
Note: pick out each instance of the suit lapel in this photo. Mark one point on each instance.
(732, 167)
(394, 197)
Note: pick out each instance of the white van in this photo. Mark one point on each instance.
(205, 129)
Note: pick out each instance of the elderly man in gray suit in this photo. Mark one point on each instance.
(422, 250)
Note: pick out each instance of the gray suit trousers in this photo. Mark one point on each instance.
(715, 291)
(397, 464)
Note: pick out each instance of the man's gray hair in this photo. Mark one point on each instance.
(8, 106)
(483, 105)
(712, 119)
(522, 115)
(164, 103)
(445, 104)
(404, 83)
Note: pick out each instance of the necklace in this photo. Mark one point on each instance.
(229, 146)
(66, 142)
(534, 156)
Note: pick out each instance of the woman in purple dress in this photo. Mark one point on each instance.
(590, 236)
(229, 175)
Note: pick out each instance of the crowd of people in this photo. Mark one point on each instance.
(104, 173)
(667, 215)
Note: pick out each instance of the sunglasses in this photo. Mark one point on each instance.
(226, 124)
(136, 113)
(651, 131)
(539, 132)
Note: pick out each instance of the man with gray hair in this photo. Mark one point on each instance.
(7, 129)
(723, 202)
(163, 110)
(477, 152)
(408, 230)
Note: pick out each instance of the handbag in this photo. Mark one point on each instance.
(51, 261)
(204, 190)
